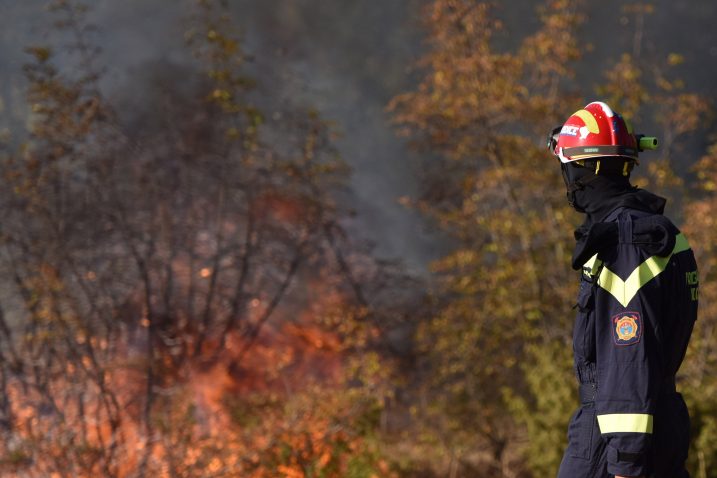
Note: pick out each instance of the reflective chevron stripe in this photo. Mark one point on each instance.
(625, 423)
(624, 291)
(592, 266)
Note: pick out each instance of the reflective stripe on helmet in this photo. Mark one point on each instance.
(583, 152)
(589, 120)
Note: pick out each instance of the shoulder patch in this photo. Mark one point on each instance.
(627, 328)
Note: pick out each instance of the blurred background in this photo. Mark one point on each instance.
(314, 238)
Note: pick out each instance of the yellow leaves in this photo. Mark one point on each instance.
(439, 79)
(623, 87)
(221, 94)
(629, 73)
(462, 87)
(41, 54)
(674, 59)
(229, 46)
(548, 52)
(684, 113)
(709, 185)
(664, 84)
(706, 170)
(639, 8)
(479, 108)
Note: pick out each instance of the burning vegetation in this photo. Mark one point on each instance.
(182, 300)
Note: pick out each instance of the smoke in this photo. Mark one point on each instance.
(346, 59)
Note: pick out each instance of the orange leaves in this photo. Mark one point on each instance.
(500, 195)
(645, 8)
(41, 54)
(550, 51)
(467, 84)
(685, 113)
(481, 108)
(289, 472)
(706, 170)
(623, 85)
(471, 90)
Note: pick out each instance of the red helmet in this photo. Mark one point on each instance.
(595, 131)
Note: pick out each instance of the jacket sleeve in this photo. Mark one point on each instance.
(629, 368)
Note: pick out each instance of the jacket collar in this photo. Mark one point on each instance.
(600, 229)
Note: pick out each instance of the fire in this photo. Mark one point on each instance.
(281, 207)
(262, 411)
(176, 392)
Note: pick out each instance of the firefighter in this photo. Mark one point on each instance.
(636, 307)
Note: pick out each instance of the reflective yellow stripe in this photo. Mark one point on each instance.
(589, 120)
(624, 291)
(592, 265)
(625, 423)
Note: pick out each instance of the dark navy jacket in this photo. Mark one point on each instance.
(637, 306)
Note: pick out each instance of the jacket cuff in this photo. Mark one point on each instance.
(625, 463)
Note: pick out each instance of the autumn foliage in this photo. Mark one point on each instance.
(181, 297)
(498, 389)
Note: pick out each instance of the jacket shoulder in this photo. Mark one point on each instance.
(648, 234)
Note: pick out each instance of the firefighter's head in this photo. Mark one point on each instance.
(596, 141)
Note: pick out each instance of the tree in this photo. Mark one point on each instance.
(504, 285)
(174, 280)
(698, 380)
(497, 350)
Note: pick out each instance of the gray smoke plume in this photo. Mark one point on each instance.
(346, 59)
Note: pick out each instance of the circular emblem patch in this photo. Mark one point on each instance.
(627, 328)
